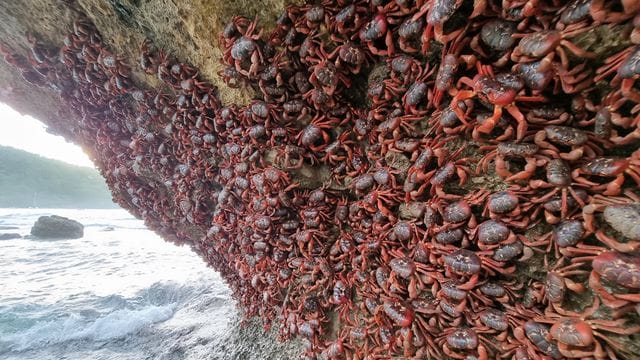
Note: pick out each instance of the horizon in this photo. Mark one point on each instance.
(28, 134)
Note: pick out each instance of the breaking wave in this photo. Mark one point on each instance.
(117, 324)
(116, 295)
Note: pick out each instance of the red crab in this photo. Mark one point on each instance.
(501, 91)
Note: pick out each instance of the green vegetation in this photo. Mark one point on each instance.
(29, 180)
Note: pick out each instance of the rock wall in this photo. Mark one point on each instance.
(188, 29)
(465, 200)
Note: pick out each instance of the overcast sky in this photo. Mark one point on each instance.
(29, 134)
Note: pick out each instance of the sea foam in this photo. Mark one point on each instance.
(114, 325)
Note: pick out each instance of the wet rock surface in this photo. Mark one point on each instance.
(57, 227)
(9, 236)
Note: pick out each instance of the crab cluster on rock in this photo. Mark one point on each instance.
(417, 178)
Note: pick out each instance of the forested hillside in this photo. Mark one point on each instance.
(29, 180)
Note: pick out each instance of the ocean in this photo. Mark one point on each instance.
(120, 292)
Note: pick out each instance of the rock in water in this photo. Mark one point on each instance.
(9, 236)
(57, 227)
